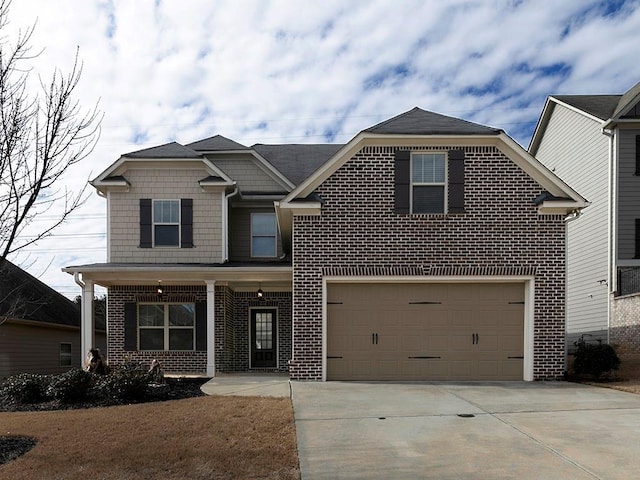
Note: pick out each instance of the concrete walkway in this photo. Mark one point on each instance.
(249, 385)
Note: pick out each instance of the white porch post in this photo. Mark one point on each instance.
(87, 330)
(211, 328)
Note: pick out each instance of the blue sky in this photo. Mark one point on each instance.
(309, 72)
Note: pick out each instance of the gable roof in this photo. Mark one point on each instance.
(216, 143)
(600, 106)
(168, 150)
(296, 161)
(422, 122)
(607, 109)
(23, 296)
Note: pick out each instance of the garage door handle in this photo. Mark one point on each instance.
(330, 356)
(424, 357)
(374, 338)
(516, 357)
(474, 338)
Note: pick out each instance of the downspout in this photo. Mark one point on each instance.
(225, 225)
(612, 279)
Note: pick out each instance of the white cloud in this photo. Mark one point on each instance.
(288, 71)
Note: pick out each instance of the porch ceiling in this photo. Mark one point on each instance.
(238, 277)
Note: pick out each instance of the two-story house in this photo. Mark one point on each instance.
(593, 143)
(427, 247)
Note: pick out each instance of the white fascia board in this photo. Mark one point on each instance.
(301, 208)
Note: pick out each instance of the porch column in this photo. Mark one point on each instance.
(211, 328)
(87, 330)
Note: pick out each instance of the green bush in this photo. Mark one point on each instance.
(25, 388)
(71, 385)
(594, 359)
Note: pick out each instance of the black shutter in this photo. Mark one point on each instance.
(130, 326)
(456, 181)
(402, 181)
(145, 223)
(201, 326)
(637, 154)
(186, 222)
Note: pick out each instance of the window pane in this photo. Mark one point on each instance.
(167, 235)
(428, 199)
(182, 315)
(151, 315)
(428, 168)
(151, 339)
(181, 339)
(65, 348)
(166, 211)
(264, 331)
(263, 247)
(263, 224)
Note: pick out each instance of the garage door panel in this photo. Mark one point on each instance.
(473, 328)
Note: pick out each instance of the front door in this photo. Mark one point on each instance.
(263, 338)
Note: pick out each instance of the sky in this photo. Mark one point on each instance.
(284, 71)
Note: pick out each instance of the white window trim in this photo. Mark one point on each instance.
(166, 328)
(275, 235)
(444, 184)
(154, 223)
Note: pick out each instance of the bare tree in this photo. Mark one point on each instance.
(43, 132)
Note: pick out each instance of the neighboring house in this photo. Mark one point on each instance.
(593, 143)
(39, 328)
(427, 247)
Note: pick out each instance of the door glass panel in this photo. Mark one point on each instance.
(264, 331)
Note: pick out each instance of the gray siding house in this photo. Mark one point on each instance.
(593, 143)
(427, 247)
(39, 328)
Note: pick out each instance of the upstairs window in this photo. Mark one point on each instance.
(166, 223)
(263, 235)
(428, 182)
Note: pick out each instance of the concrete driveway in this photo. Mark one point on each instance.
(540, 430)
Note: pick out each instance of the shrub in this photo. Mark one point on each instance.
(126, 382)
(25, 388)
(71, 385)
(594, 359)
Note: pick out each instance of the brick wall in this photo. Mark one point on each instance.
(624, 329)
(172, 362)
(231, 327)
(500, 229)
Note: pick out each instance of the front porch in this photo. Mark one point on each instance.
(193, 319)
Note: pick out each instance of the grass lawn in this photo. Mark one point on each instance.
(204, 437)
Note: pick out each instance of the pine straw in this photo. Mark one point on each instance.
(204, 437)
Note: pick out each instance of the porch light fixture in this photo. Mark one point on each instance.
(260, 293)
(159, 290)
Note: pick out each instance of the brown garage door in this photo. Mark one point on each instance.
(425, 331)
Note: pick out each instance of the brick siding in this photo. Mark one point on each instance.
(231, 327)
(624, 329)
(500, 231)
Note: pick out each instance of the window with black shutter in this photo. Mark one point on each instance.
(428, 182)
(166, 223)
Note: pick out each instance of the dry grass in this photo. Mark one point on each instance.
(205, 437)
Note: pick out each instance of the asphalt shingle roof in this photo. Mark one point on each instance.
(423, 122)
(216, 143)
(24, 296)
(168, 150)
(600, 106)
(297, 161)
